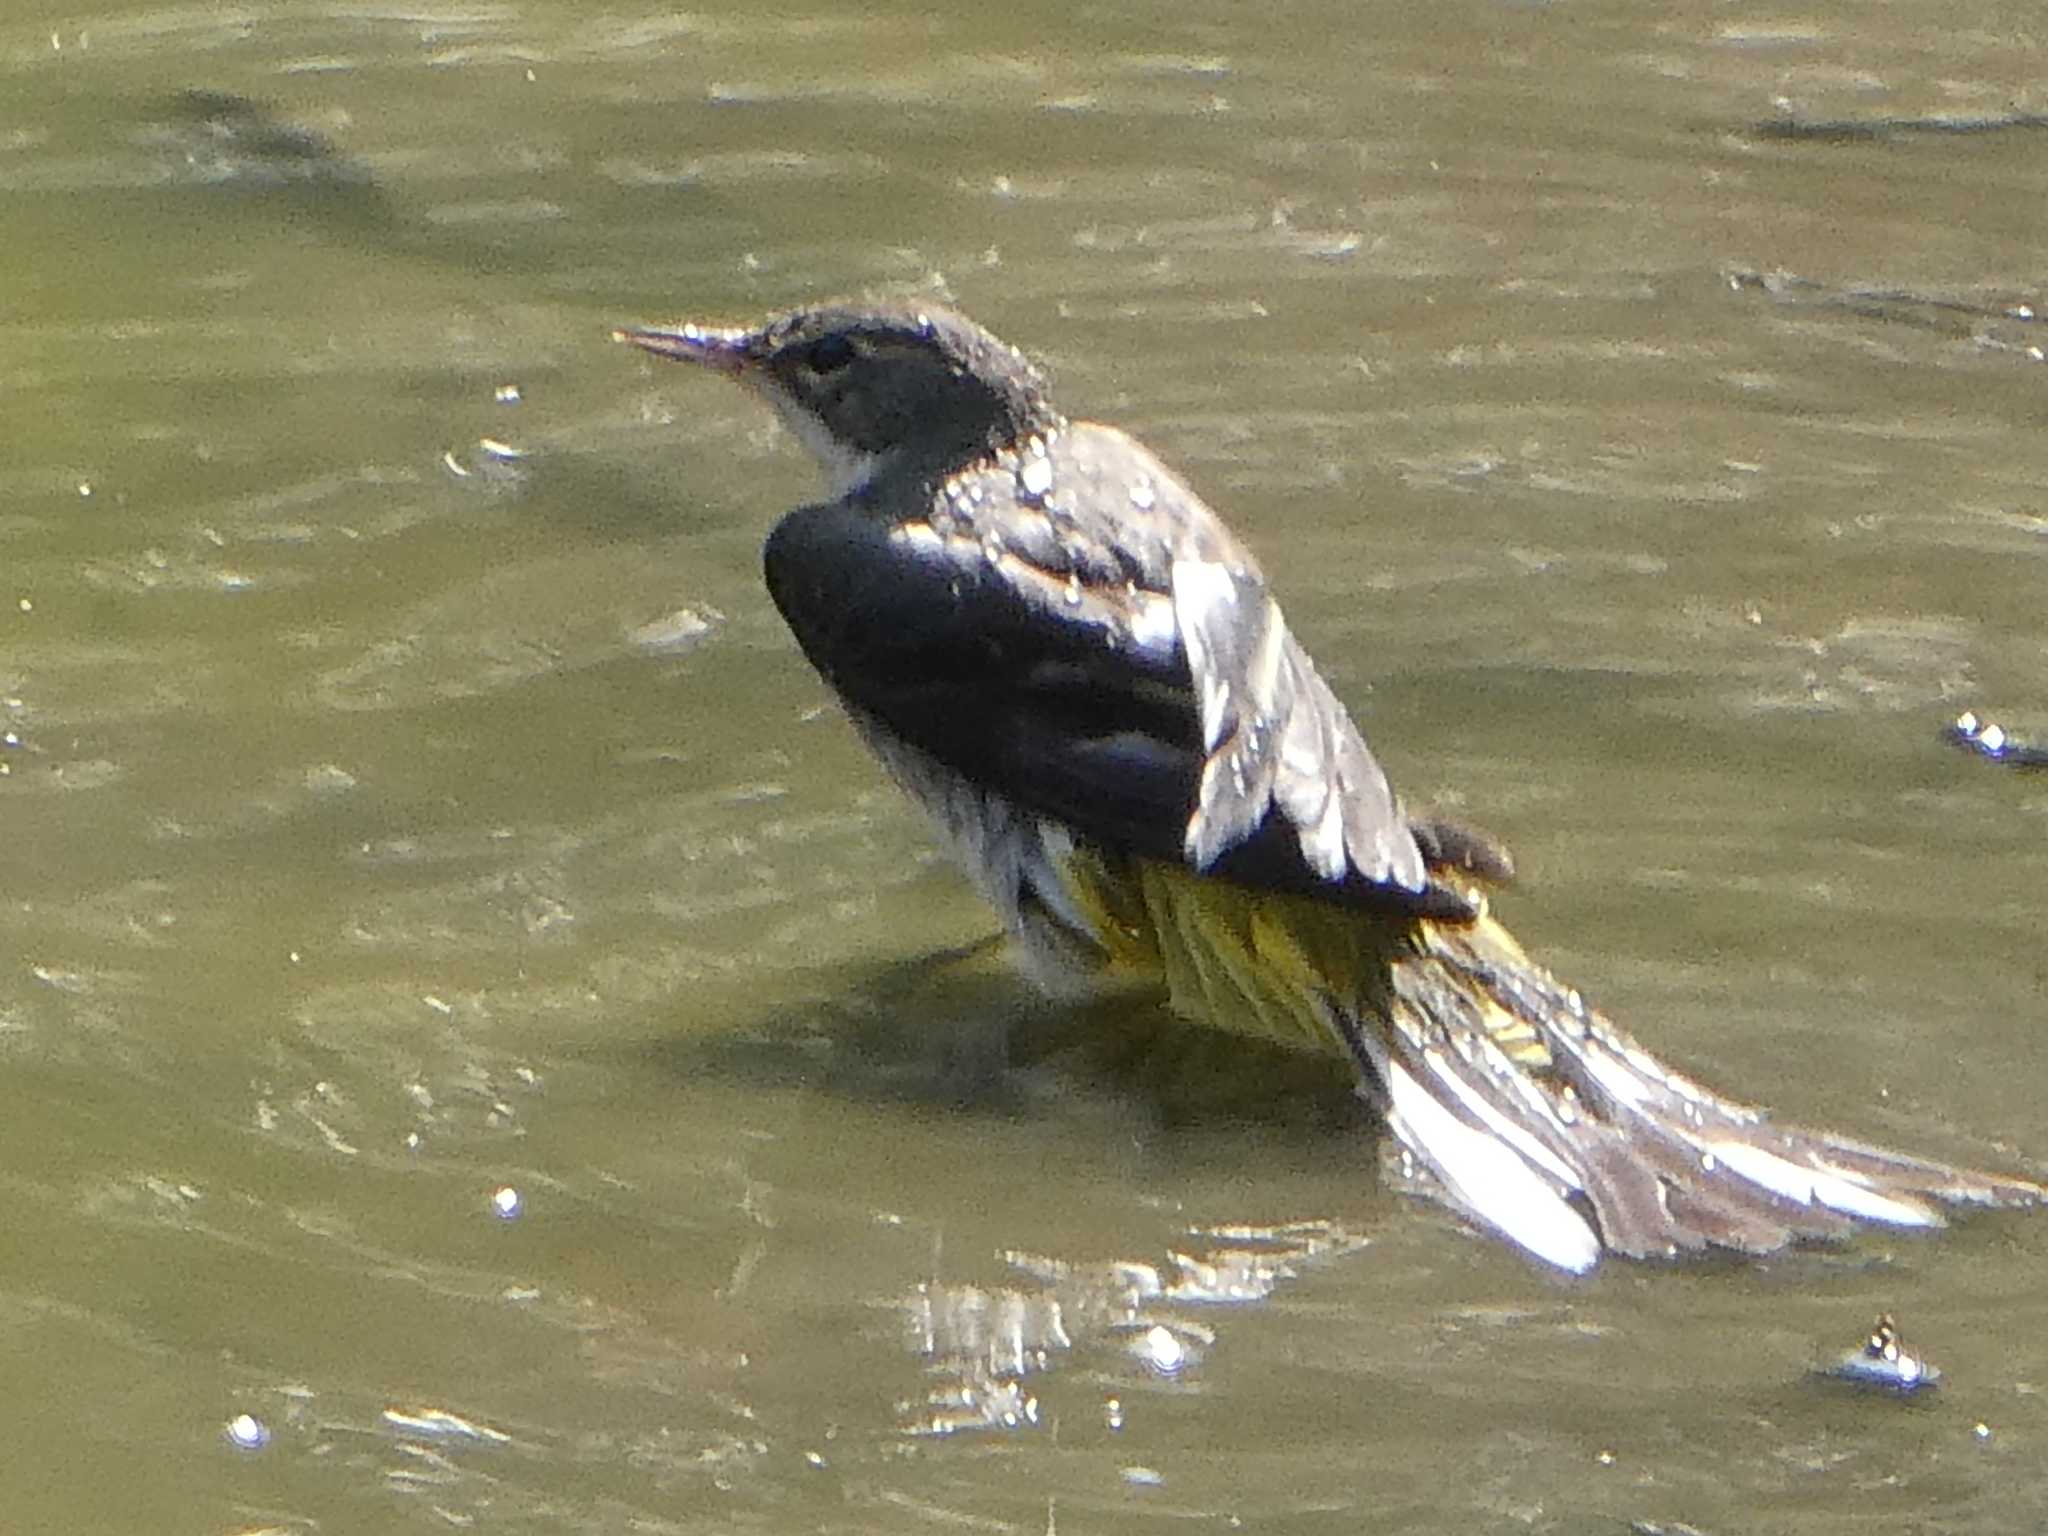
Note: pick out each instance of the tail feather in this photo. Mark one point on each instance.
(1643, 1209)
(1490, 1176)
(1506, 1094)
(1597, 1124)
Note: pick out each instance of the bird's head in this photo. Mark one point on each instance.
(875, 388)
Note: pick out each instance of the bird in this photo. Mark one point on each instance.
(1076, 668)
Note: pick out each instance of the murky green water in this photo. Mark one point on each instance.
(391, 818)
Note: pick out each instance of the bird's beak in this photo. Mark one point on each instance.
(721, 351)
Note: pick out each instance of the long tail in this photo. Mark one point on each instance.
(1507, 1095)
(1536, 1116)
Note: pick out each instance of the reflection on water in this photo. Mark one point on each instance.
(1993, 324)
(409, 794)
(983, 1346)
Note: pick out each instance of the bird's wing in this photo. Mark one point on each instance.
(1071, 628)
(1276, 738)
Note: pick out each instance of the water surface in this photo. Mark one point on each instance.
(410, 795)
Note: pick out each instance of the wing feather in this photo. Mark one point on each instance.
(1072, 628)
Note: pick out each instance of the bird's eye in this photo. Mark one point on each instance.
(829, 354)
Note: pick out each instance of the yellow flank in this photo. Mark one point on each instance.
(1265, 965)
